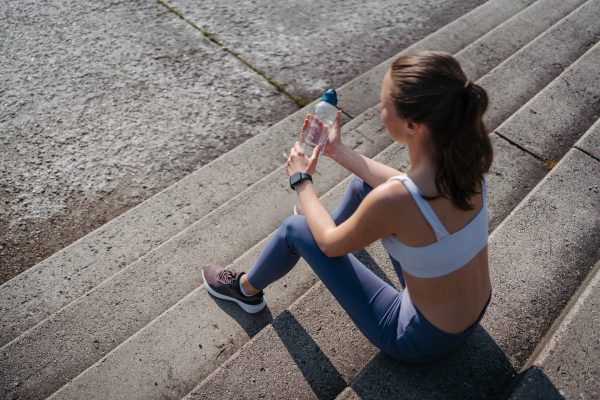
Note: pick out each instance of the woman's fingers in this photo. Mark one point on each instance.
(296, 150)
(315, 156)
(305, 125)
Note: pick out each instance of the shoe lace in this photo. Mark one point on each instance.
(227, 276)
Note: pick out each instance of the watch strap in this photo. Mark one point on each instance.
(299, 177)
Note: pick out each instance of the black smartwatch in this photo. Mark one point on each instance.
(299, 177)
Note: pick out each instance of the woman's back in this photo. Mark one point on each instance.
(451, 301)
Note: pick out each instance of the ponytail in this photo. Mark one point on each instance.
(431, 88)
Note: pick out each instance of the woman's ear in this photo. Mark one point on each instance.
(415, 128)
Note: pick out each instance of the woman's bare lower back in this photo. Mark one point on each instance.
(453, 302)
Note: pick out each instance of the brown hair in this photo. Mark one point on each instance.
(431, 87)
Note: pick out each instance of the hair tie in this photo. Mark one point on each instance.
(468, 84)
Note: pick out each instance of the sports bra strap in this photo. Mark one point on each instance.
(417, 195)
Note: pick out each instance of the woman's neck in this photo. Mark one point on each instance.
(422, 168)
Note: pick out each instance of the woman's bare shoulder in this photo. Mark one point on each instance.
(391, 194)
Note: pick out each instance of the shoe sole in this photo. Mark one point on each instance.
(295, 212)
(246, 307)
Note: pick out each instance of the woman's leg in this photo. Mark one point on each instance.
(355, 194)
(275, 261)
(376, 308)
(373, 305)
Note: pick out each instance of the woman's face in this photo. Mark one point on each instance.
(395, 125)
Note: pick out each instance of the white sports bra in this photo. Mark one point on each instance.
(450, 251)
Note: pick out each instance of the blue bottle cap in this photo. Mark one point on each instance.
(330, 96)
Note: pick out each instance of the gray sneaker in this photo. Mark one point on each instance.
(224, 284)
(298, 210)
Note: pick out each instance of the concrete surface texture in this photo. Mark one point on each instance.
(493, 48)
(547, 116)
(104, 104)
(312, 46)
(571, 360)
(513, 174)
(571, 106)
(539, 62)
(540, 255)
(55, 282)
(566, 363)
(355, 95)
(590, 142)
(533, 385)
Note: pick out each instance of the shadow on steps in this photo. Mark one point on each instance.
(324, 379)
(477, 369)
(250, 323)
(532, 384)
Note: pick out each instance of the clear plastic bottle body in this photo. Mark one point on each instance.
(321, 121)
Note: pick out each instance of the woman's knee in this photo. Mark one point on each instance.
(294, 226)
(295, 233)
(360, 188)
(356, 185)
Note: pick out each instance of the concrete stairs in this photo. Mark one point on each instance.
(123, 313)
(566, 363)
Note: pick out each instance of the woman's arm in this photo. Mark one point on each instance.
(370, 171)
(376, 216)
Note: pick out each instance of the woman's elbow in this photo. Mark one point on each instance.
(324, 248)
(329, 245)
(329, 250)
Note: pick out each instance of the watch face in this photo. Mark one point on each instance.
(297, 177)
(294, 179)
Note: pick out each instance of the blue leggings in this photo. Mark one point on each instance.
(385, 316)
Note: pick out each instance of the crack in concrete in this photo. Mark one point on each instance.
(546, 161)
(345, 113)
(298, 100)
(586, 153)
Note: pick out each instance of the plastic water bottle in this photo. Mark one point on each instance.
(321, 122)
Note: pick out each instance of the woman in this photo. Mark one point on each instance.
(432, 220)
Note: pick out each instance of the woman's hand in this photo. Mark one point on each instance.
(334, 139)
(299, 162)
